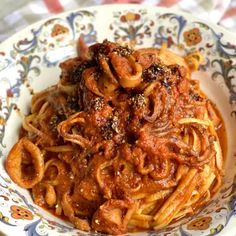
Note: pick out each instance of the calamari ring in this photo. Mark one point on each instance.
(127, 79)
(64, 129)
(14, 162)
(91, 84)
(163, 172)
(44, 193)
(68, 210)
(61, 170)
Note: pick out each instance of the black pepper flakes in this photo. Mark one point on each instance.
(123, 51)
(97, 103)
(77, 72)
(138, 101)
(54, 121)
(100, 50)
(72, 103)
(196, 97)
(177, 70)
(115, 123)
(107, 132)
(166, 83)
(97, 74)
(154, 72)
(110, 128)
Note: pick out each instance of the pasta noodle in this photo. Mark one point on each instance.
(126, 141)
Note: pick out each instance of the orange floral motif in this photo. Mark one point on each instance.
(18, 212)
(192, 37)
(200, 224)
(130, 16)
(9, 93)
(2, 121)
(59, 29)
(24, 59)
(228, 63)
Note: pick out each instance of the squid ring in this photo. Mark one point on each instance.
(64, 129)
(127, 80)
(14, 163)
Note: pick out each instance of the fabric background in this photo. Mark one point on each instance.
(17, 14)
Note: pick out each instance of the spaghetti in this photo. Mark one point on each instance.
(125, 141)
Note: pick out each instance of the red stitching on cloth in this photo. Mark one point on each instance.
(54, 6)
(229, 13)
(121, 1)
(167, 3)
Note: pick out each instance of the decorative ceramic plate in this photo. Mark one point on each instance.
(29, 62)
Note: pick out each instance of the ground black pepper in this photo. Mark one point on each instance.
(77, 72)
(166, 83)
(138, 101)
(97, 103)
(196, 97)
(154, 72)
(123, 51)
(72, 103)
(54, 121)
(110, 128)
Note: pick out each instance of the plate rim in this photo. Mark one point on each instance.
(230, 36)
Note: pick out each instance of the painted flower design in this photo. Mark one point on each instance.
(24, 59)
(10, 93)
(2, 121)
(130, 16)
(200, 224)
(228, 64)
(22, 213)
(131, 27)
(59, 29)
(192, 37)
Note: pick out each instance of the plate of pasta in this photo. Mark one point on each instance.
(119, 127)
